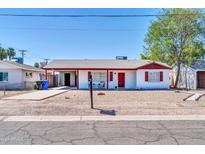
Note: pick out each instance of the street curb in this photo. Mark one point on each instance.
(102, 118)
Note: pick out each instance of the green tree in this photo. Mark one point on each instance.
(37, 65)
(177, 37)
(11, 53)
(3, 54)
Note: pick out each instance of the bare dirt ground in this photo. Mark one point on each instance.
(76, 102)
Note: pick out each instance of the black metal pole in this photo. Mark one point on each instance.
(4, 89)
(91, 92)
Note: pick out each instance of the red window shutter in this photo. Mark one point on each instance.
(111, 76)
(146, 76)
(89, 74)
(161, 76)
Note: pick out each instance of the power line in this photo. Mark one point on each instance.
(32, 59)
(91, 16)
(72, 29)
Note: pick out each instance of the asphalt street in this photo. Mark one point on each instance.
(103, 132)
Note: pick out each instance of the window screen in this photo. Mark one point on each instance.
(154, 76)
(99, 76)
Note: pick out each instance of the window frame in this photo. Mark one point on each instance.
(99, 76)
(29, 74)
(4, 76)
(153, 76)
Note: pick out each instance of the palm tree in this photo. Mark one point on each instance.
(11, 53)
(3, 53)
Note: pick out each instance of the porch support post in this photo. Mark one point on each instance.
(107, 80)
(77, 79)
(54, 79)
(46, 72)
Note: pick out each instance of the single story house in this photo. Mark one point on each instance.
(14, 75)
(111, 74)
(191, 77)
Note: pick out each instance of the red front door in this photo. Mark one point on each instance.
(121, 79)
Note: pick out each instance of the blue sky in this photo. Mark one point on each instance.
(50, 37)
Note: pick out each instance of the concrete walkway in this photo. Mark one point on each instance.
(37, 95)
(194, 97)
(60, 88)
(103, 118)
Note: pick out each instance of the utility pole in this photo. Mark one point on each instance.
(46, 60)
(22, 54)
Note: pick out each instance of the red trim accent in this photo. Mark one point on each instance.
(154, 65)
(111, 76)
(161, 76)
(146, 76)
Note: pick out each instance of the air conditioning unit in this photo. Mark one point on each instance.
(121, 57)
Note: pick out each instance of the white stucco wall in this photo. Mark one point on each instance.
(29, 81)
(142, 84)
(35, 76)
(83, 78)
(72, 78)
(15, 78)
(133, 79)
(130, 79)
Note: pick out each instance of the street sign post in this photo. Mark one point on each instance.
(4, 86)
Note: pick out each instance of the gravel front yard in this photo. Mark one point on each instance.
(76, 102)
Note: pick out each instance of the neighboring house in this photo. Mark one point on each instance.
(192, 77)
(19, 76)
(111, 74)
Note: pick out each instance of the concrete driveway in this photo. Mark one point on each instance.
(36, 95)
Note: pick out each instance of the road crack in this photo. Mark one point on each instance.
(169, 132)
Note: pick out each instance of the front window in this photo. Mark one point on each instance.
(99, 79)
(3, 76)
(29, 75)
(154, 76)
